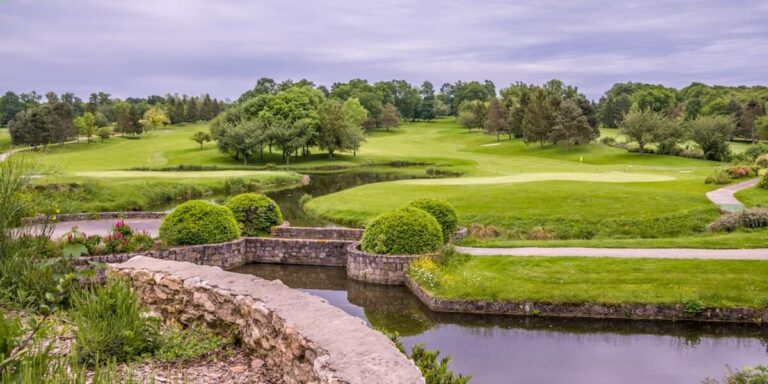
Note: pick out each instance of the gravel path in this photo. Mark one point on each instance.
(724, 197)
(650, 253)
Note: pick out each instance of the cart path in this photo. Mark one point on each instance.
(724, 197)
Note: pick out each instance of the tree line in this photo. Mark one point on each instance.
(746, 106)
(34, 121)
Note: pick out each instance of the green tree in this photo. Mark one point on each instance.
(427, 106)
(201, 137)
(761, 125)
(104, 133)
(711, 133)
(30, 127)
(127, 119)
(333, 127)
(154, 118)
(354, 116)
(10, 105)
(668, 135)
(571, 126)
(539, 116)
(642, 126)
(472, 114)
(86, 125)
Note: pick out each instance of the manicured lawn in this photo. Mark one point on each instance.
(736, 240)
(754, 197)
(717, 283)
(571, 209)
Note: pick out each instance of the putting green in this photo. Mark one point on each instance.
(177, 175)
(607, 177)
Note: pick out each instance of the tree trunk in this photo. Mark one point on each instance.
(330, 154)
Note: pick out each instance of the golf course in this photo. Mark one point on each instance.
(590, 195)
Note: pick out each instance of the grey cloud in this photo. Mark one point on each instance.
(156, 46)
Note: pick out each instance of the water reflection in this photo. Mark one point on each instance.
(503, 349)
(289, 200)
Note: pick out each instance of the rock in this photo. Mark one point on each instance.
(256, 364)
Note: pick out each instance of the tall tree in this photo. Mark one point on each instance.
(86, 125)
(390, 117)
(538, 116)
(711, 133)
(354, 116)
(571, 126)
(127, 119)
(154, 118)
(332, 128)
(496, 123)
(10, 105)
(427, 106)
(642, 126)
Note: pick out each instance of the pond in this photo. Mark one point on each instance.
(320, 184)
(497, 349)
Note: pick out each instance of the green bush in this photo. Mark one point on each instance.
(255, 213)
(406, 231)
(763, 181)
(719, 177)
(442, 211)
(109, 324)
(199, 222)
(762, 161)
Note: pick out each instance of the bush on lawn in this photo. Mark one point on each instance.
(762, 161)
(110, 324)
(718, 177)
(406, 231)
(739, 171)
(199, 222)
(748, 218)
(443, 212)
(255, 213)
(763, 181)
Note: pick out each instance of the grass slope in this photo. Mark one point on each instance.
(754, 197)
(5, 139)
(715, 283)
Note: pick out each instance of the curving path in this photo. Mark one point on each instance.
(104, 227)
(725, 197)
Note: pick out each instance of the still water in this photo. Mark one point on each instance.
(496, 350)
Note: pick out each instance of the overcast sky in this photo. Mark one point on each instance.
(142, 47)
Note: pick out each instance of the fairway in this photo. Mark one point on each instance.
(609, 177)
(178, 175)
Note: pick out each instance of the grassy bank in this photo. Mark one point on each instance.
(104, 194)
(711, 283)
(754, 197)
(736, 240)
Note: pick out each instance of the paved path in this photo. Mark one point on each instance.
(724, 197)
(632, 253)
(103, 227)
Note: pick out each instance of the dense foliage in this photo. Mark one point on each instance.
(255, 213)
(748, 218)
(442, 211)
(406, 231)
(199, 222)
(111, 325)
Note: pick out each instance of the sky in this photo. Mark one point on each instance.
(221, 47)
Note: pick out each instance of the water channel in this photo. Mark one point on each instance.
(496, 349)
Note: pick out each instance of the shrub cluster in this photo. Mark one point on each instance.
(740, 171)
(199, 222)
(748, 218)
(406, 231)
(762, 161)
(763, 181)
(443, 212)
(121, 239)
(719, 177)
(255, 213)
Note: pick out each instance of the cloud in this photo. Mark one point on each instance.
(142, 47)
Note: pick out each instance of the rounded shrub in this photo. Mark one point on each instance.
(199, 222)
(256, 213)
(406, 231)
(762, 161)
(442, 211)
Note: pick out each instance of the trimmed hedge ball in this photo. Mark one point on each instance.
(199, 222)
(442, 211)
(406, 231)
(256, 213)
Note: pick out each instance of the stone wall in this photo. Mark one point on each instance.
(95, 216)
(298, 335)
(297, 251)
(375, 268)
(587, 310)
(288, 232)
(224, 255)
